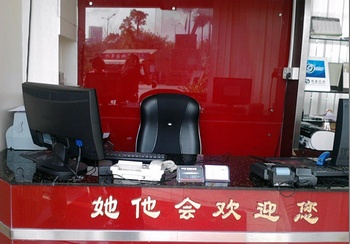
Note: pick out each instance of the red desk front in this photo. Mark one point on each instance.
(244, 212)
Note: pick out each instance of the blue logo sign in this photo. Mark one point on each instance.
(316, 69)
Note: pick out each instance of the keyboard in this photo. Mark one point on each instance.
(330, 171)
(134, 156)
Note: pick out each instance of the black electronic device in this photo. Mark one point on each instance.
(330, 171)
(261, 169)
(148, 157)
(105, 174)
(104, 167)
(340, 153)
(304, 176)
(190, 174)
(66, 120)
(277, 174)
(281, 174)
(144, 157)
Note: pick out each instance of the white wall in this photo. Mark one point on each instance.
(68, 57)
(68, 54)
(53, 48)
(11, 62)
(43, 61)
(53, 41)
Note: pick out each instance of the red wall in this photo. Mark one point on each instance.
(230, 59)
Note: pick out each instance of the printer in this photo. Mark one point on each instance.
(18, 136)
(315, 137)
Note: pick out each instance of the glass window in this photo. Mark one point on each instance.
(226, 54)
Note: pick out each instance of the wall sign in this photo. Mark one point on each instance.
(317, 75)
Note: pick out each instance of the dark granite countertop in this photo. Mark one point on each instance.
(16, 169)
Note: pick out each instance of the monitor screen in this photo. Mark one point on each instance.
(66, 120)
(340, 153)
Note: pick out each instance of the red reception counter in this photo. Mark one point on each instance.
(248, 210)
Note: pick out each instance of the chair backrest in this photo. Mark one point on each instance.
(169, 124)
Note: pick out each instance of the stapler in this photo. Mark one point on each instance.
(322, 158)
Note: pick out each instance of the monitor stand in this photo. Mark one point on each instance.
(58, 165)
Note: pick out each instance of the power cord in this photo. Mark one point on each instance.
(79, 143)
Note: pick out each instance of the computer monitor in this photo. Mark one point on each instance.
(66, 120)
(340, 153)
(232, 91)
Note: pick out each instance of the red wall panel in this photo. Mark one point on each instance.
(243, 44)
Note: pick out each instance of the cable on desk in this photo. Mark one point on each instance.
(79, 158)
(292, 188)
(92, 170)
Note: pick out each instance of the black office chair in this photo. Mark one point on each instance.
(170, 125)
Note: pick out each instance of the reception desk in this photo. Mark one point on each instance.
(247, 210)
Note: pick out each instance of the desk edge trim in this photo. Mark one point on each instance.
(171, 235)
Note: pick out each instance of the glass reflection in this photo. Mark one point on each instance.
(129, 52)
(228, 55)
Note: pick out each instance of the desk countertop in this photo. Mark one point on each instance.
(16, 169)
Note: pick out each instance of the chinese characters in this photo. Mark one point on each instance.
(187, 209)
